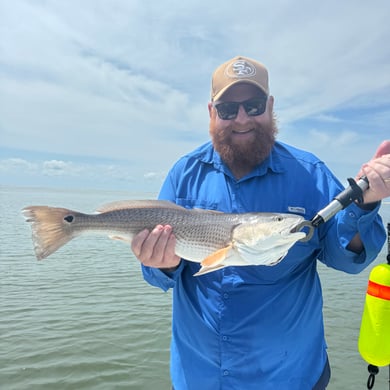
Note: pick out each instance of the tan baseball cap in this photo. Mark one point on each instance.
(238, 70)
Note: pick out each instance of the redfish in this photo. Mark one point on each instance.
(212, 238)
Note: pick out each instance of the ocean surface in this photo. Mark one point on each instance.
(85, 319)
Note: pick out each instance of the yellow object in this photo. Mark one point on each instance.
(374, 339)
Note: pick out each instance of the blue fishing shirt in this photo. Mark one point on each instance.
(259, 327)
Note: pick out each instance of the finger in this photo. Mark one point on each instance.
(147, 250)
(382, 156)
(170, 257)
(381, 166)
(171, 246)
(384, 148)
(379, 188)
(137, 242)
(161, 243)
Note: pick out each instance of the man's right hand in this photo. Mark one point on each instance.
(156, 248)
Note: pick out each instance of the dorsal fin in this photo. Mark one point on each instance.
(207, 211)
(137, 204)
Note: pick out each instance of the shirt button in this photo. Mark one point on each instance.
(226, 373)
(224, 338)
(226, 295)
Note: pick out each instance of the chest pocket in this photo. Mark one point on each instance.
(197, 204)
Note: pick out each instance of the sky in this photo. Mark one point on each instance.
(108, 94)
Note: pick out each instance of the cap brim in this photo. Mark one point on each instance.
(223, 90)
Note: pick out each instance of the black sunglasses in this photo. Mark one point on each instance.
(253, 107)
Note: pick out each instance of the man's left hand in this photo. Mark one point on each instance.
(377, 171)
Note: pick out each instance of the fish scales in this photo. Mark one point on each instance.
(212, 238)
(197, 233)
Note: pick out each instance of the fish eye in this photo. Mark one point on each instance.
(279, 218)
(69, 218)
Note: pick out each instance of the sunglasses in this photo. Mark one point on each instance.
(253, 107)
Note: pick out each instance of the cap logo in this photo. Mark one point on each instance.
(240, 68)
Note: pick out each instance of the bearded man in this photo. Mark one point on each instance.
(257, 327)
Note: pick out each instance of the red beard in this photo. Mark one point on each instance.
(243, 157)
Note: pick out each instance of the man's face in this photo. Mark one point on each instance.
(244, 141)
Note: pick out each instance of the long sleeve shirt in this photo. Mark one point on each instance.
(259, 327)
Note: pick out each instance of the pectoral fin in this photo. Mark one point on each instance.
(217, 257)
(206, 270)
(121, 238)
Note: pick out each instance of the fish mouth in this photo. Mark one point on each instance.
(296, 226)
(304, 227)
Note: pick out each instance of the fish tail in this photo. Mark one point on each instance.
(51, 228)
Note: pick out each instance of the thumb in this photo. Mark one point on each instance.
(384, 148)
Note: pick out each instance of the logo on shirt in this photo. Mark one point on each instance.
(297, 210)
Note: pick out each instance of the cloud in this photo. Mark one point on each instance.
(130, 81)
(72, 173)
(326, 140)
(57, 168)
(15, 164)
(154, 175)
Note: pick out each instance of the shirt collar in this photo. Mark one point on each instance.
(272, 163)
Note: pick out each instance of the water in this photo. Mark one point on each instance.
(85, 319)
